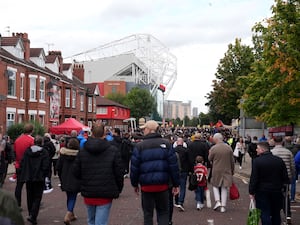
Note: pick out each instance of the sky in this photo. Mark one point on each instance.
(197, 32)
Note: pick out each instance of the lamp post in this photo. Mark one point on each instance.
(162, 88)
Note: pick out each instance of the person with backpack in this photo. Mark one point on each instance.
(183, 162)
(201, 171)
(34, 168)
(126, 150)
(69, 183)
(50, 148)
(252, 148)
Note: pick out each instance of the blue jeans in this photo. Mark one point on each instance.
(199, 194)
(270, 204)
(98, 214)
(183, 178)
(71, 200)
(293, 188)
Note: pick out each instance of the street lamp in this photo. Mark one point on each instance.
(162, 88)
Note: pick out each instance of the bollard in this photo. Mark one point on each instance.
(210, 222)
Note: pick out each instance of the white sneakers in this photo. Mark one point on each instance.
(12, 179)
(199, 206)
(47, 191)
(217, 205)
(222, 209)
(179, 206)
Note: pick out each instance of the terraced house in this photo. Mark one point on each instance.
(39, 87)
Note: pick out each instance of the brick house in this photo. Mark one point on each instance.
(40, 87)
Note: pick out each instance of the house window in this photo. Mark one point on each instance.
(81, 102)
(10, 119)
(73, 99)
(113, 89)
(42, 119)
(11, 82)
(42, 90)
(22, 87)
(31, 117)
(68, 96)
(32, 96)
(21, 118)
(90, 104)
(102, 110)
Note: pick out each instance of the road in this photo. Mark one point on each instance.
(127, 209)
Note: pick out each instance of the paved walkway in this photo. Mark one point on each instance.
(126, 210)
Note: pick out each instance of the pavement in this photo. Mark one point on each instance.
(126, 210)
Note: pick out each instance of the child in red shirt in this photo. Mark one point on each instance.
(201, 172)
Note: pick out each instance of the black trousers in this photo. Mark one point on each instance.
(158, 201)
(34, 197)
(19, 187)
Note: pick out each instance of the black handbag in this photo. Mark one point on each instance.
(193, 183)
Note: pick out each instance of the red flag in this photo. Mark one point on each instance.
(219, 124)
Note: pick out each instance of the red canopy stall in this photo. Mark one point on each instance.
(67, 126)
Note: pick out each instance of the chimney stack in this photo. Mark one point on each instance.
(78, 71)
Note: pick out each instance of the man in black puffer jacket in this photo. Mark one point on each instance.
(153, 166)
(99, 168)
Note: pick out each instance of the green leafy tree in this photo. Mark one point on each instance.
(116, 97)
(17, 129)
(272, 94)
(140, 102)
(156, 116)
(187, 121)
(178, 122)
(223, 100)
(204, 119)
(194, 122)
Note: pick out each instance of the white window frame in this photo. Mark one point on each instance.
(67, 97)
(81, 102)
(42, 89)
(90, 104)
(32, 115)
(74, 99)
(32, 88)
(102, 110)
(22, 80)
(11, 91)
(10, 118)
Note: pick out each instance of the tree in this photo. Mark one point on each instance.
(140, 102)
(223, 100)
(204, 119)
(116, 97)
(17, 129)
(272, 94)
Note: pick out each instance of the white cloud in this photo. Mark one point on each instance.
(197, 32)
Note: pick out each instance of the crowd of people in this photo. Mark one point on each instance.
(159, 163)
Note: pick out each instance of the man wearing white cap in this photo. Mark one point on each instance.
(153, 166)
